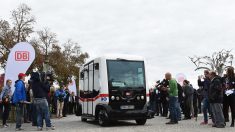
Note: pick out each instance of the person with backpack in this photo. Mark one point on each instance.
(60, 95)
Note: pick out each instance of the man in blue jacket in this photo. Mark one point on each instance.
(19, 97)
(60, 95)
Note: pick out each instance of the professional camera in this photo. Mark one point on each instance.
(163, 83)
(42, 77)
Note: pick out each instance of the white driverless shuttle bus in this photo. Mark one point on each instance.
(112, 88)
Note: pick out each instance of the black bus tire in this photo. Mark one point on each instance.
(141, 121)
(103, 119)
(83, 119)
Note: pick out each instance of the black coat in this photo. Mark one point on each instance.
(180, 93)
(216, 91)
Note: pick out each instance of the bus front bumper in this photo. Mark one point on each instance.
(128, 114)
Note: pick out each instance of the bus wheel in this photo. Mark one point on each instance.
(141, 121)
(83, 119)
(103, 118)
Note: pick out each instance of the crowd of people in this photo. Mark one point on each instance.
(168, 99)
(35, 101)
(216, 94)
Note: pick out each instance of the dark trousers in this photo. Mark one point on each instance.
(1, 109)
(54, 106)
(195, 106)
(199, 105)
(27, 112)
(158, 108)
(230, 102)
(71, 108)
(226, 107)
(165, 107)
(5, 113)
(19, 114)
(65, 109)
(187, 109)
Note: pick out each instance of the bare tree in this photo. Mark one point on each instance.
(218, 62)
(23, 22)
(71, 48)
(47, 39)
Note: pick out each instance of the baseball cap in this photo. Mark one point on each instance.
(21, 75)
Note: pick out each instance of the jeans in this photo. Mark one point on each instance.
(173, 106)
(27, 112)
(34, 115)
(206, 109)
(19, 114)
(178, 110)
(5, 113)
(42, 112)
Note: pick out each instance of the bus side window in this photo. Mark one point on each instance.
(96, 66)
(82, 75)
(96, 89)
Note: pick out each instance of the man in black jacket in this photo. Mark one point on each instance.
(216, 100)
(40, 93)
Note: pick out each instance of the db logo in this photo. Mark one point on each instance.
(104, 99)
(22, 56)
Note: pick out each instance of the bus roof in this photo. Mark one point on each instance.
(121, 57)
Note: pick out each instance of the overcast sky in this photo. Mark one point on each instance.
(165, 32)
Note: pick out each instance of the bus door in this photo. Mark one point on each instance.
(90, 88)
(85, 89)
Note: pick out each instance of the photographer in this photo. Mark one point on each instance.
(164, 97)
(5, 98)
(41, 88)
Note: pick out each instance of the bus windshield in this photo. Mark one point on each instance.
(126, 74)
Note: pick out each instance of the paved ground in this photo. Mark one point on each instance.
(73, 124)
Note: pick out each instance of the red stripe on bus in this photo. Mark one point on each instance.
(93, 99)
(147, 94)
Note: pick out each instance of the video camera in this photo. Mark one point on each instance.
(43, 77)
(163, 83)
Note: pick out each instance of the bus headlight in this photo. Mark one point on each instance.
(142, 97)
(112, 98)
(117, 98)
(138, 97)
